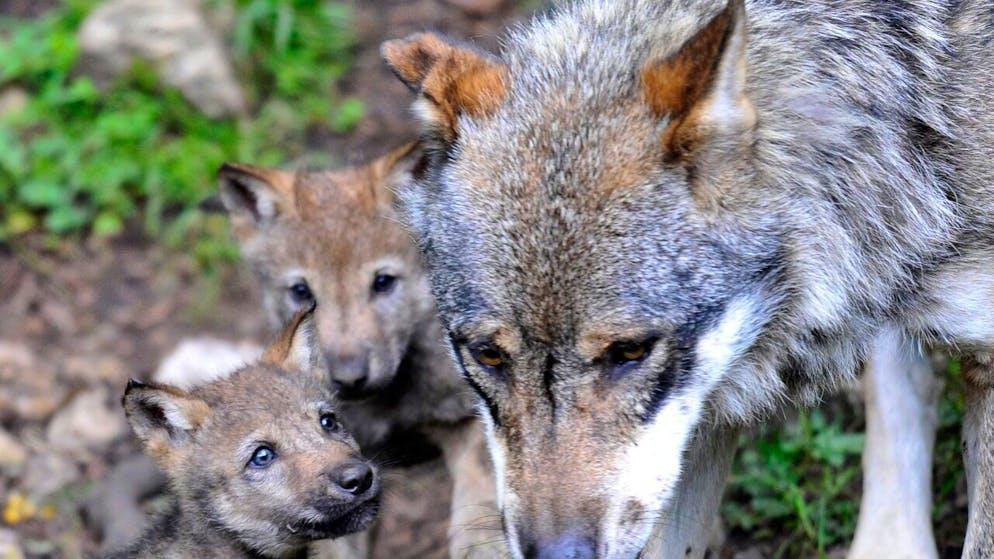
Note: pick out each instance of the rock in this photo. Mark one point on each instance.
(29, 391)
(12, 100)
(477, 7)
(10, 545)
(174, 36)
(47, 473)
(197, 361)
(87, 422)
(12, 452)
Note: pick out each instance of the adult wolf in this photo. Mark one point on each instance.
(647, 223)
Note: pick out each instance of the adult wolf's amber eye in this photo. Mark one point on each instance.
(633, 353)
(627, 352)
(488, 356)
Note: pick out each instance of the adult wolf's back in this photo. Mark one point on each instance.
(648, 221)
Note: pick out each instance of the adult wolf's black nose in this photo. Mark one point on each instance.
(355, 478)
(569, 546)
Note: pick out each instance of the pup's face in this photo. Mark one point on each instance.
(261, 452)
(334, 238)
(594, 290)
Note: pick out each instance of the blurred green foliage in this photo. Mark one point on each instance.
(798, 485)
(79, 161)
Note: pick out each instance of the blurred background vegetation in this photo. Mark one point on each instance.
(78, 162)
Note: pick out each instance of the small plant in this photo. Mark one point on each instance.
(797, 486)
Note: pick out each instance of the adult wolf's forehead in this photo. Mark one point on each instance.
(553, 262)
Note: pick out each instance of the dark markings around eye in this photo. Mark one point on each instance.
(681, 356)
(491, 405)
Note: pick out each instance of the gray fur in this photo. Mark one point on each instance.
(860, 198)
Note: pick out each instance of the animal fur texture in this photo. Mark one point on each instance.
(646, 221)
(335, 237)
(313, 484)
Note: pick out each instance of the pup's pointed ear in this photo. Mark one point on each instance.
(396, 169)
(162, 417)
(296, 348)
(451, 79)
(701, 87)
(255, 196)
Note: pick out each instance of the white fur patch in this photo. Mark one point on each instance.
(651, 469)
(719, 348)
(964, 297)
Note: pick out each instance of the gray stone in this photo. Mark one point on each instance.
(10, 545)
(174, 36)
(12, 452)
(88, 422)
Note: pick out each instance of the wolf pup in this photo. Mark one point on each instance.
(257, 461)
(647, 223)
(334, 237)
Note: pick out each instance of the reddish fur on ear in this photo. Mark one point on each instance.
(295, 349)
(282, 182)
(255, 196)
(453, 79)
(680, 85)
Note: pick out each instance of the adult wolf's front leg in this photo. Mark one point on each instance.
(978, 450)
(901, 401)
(688, 525)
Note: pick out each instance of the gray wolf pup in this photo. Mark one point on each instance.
(335, 237)
(257, 461)
(648, 223)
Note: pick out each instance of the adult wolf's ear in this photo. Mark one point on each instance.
(255, 196)
(451, 80)
(296, 347)
(701, 86)
(162, 417)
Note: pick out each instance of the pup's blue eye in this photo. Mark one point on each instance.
(383, 283)
(301, 292)
(329, 423)
(262, 457)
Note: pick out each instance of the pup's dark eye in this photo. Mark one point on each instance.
(262, 457)
(383, 283)
(329, 422)
(301, 292)
(488, 356)
(623, 353)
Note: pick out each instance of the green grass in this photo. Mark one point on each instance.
(797, 487)
(78, 161)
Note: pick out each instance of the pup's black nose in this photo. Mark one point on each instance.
(355, 478)
(568, 546)
(349, 373)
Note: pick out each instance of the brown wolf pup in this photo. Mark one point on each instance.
(334, 237)
(257, 461)
(649, 223)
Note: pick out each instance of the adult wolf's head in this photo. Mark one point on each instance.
(334, 237)
(596, 253)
